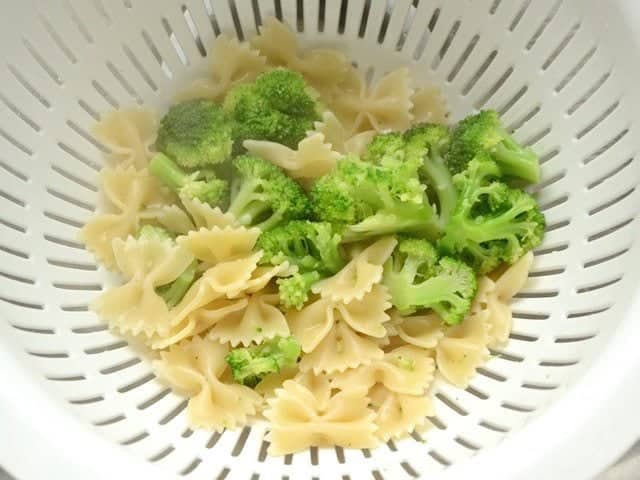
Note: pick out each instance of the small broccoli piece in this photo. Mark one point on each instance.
(492, 223)
(262, 195)
(172, 292)
(418, 279)
(308, 245)
(371, 200)
(210, 190)
(277, 107)
(196, 133)
(153, 232)
(294, 290)
(429, 143)
(251, 364)
(484, 133)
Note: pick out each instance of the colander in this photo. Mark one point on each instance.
(559, 401)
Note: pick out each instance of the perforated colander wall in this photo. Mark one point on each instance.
(548, 67)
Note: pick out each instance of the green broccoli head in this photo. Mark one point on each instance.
(250, 365)
(195, 133)
(262, 195)
(387, 149)
(277, 107)
(484, 132)
(311, 246)
(371, 200)
(418, 279)
(492, 223)
(294, 290)
(211, 190)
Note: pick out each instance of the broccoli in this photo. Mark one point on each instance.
(195, 133)
(313, 247)
(262, 195)
(429, 143)
(251, 364)
(308, 245)
(200, 185)
(418, 279)
(277, 107)
(294, 290)
(371, 200)
(492, 222)
(172, 292)
(484, 133)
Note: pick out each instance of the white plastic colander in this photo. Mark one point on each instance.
(561, 399)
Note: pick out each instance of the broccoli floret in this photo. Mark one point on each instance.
(492, 223)
(429, 143)
(195, 133)
(251, 364)
(418, 279)
(277, 107)
(200, 185)
(371, 200)
(172, 292)
(308, 245)
(294, 290)
(262, 195)
(153, 232)
(484, 133)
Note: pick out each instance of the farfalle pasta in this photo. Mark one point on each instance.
(248, 318)
(299, 420)
(196, 367)
(311, 160)
(126, 191)
(129, 135)
(135, 307)
(233, 63)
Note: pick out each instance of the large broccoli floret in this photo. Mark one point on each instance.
(484, 133)
(172, 292)
(308, 245)
(277, 107)
(209, 190)
(262, 195)
(313, 247)
(492, 223)
(371, 200)
(251, 364)
(195, 133)
(418, 279)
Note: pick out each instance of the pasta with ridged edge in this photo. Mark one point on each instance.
(359, 276)
(299, 420)
(260, 320)
(397, 414)
(339, 137)
(135, 307)
(232, 63)
(129, 135)
(126, 190)
(214, 245)
(195, 367)
(312, 159)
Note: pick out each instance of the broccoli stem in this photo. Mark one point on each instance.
(243, 206)
(168, 172)
(173, 292)
(442, 183)
(516, 161)
(431, 293)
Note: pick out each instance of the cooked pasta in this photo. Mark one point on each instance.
(129, 135)
(204, 292)
(195, 367)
